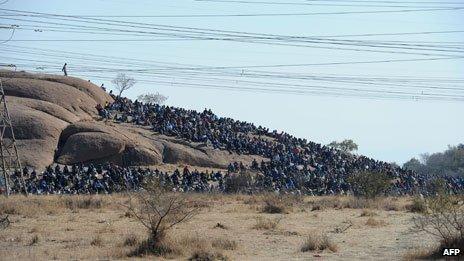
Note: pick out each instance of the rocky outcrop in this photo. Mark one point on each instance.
(42, 106)
(55, 120)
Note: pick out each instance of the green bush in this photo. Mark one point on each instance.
(369, 184)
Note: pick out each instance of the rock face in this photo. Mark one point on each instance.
(55, 120)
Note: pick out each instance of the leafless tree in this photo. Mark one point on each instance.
(155, 98)
(123, 82)
(159, 210)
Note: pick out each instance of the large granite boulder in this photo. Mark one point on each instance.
(55, 120)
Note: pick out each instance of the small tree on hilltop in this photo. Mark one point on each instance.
(159, 210)
(154, 98)
(123, 82)
(369, 184)
(347, 146)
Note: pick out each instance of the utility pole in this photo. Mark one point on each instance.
(10, 164)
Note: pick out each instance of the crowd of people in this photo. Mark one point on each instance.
(259, 177)
(294, 165)
(110, 178)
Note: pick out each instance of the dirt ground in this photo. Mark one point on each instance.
(98, 227)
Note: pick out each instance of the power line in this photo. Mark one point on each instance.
(313, 3)
(264, 38)
(11, 35)
(388, 2)
(370, 43)
(296, 87)
(77, 27)
(196, 67)
(261, 14)
(369, 95)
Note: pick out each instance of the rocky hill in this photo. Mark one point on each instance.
(55, 120)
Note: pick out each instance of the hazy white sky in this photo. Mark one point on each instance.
(386, 129)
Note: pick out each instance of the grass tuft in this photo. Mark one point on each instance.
(266, 223)
(372, 222)
(318, 241)
(224, 243)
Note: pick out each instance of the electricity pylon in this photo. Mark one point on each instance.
(10, 163)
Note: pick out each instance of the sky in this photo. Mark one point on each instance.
(385, 128)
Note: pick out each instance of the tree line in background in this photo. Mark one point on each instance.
(447, 163)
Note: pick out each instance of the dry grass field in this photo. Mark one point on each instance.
(228, 227)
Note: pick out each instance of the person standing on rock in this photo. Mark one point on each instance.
(64, 69)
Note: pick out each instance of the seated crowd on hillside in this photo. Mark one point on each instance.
(110, 178)
(294, 166)
(107, 179)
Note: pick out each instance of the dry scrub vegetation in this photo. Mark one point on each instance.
(318, 241)
(263, 223)
(441, 216)
(220, 227)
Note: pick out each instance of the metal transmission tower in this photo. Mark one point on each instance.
(10, 163)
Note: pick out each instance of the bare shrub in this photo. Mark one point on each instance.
(159, 210)
(318, 241)
(369, 184)
(266, 223)
(224, 243)
(153, 98)
(444, 219)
